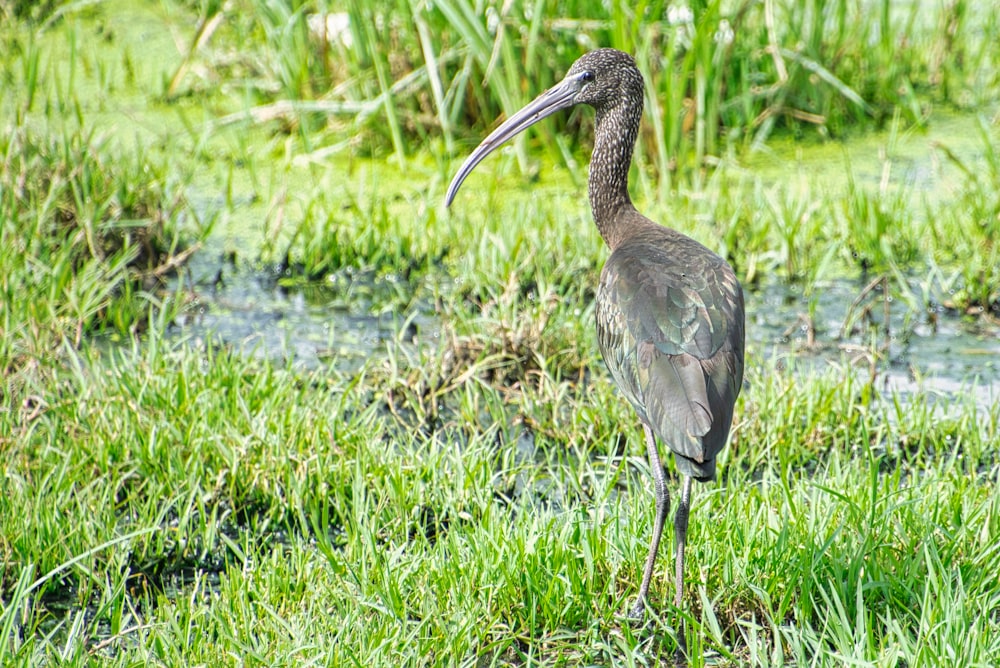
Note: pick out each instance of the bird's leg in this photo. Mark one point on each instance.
(662, 508)
(680, 539)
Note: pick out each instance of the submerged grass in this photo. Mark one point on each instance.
(477, 494)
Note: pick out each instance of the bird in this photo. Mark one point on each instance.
(669, 311)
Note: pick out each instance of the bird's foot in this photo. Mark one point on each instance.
(681, 654)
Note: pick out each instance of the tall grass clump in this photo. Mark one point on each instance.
(524, 284)
(720, 71)
(86, 233)
(342, 226)
(879, 231)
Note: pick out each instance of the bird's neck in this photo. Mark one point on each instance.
(614, 138)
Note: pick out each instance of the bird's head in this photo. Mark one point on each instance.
(602, 79)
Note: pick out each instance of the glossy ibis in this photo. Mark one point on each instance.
(669, 311)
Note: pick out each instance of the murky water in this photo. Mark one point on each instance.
(922, 350)
(340, 324)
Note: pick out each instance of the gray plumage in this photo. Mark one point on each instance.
(670, 319)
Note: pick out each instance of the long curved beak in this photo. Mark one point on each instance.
(560, 96)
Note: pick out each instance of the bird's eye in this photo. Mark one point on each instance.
(586, 77)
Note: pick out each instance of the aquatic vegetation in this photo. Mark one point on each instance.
(469, 489)
(719, 72)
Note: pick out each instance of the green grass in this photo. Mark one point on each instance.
(507, 524)
(86, 237)
(476, 493)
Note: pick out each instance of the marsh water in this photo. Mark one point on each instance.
(849, 321)
(934, 350)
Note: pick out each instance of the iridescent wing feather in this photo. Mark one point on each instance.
(670, 328)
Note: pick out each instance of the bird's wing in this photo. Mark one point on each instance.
(670, 328)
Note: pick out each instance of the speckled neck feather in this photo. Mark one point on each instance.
(617, 128)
